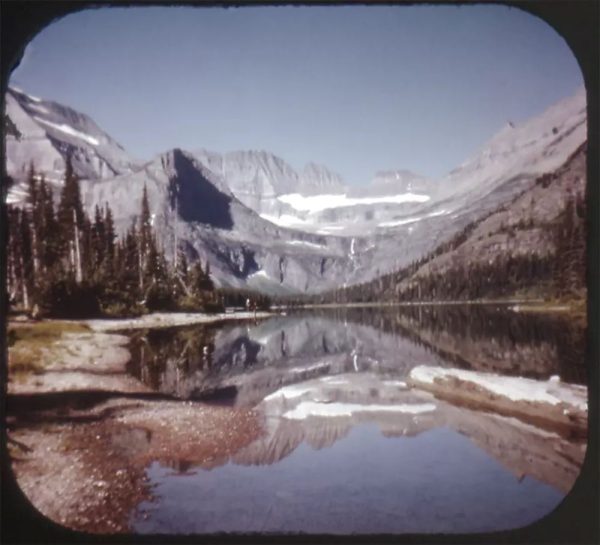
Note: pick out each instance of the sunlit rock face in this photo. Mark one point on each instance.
(46, 132)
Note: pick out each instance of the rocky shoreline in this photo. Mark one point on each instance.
(82, 431)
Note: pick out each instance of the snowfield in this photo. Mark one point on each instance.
(39, 108)
(318, 203)
(67, 129)
(413, 219)
(261, 273)
(306, 243)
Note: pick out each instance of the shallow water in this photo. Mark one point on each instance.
(346, 446)
(437, 481)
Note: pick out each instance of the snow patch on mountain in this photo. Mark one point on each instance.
(286, 220)
(259, 273)
(413, 219)
(307, 244)
(318, 203)
(21, 92)
(69, 130)
(39, 108)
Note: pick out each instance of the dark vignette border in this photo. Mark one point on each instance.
(575, 521)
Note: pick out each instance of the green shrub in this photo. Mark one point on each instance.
(68, 299)
(212, 307)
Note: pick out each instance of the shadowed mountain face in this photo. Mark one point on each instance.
(193, 206)
(197, 199)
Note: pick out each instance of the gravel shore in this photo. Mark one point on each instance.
(82, 431)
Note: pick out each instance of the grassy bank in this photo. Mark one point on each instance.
(30, 344)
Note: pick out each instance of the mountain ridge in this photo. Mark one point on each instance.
(242, 210)
(55, 131)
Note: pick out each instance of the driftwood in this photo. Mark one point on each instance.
(552, 405)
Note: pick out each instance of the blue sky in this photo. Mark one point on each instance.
(357, 88)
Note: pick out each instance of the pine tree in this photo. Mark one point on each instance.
(145, 238)
(569, 269)
(32, 201)
(49, 234)
(109, 243)
(158, 293)
(97, 242)
(89, 270)
(70, 221)
(32, 188)
(208, 283)
(181, 278)
(129, 262)
(13, 258)
(26, 258)
(196, 280)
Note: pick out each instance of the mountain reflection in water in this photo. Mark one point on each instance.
(257, 357)
(320, 379)
(437, 481)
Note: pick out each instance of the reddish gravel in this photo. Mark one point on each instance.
(89, 476)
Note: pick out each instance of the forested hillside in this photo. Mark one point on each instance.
(532, 246)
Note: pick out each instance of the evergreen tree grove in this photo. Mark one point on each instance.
(61, 262)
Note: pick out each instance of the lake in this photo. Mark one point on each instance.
(346, 447)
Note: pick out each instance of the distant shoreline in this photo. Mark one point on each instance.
(518, 305)
(153, 320)
(422, 303)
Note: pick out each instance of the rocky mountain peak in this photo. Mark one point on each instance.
(49, 131)
(316, 178)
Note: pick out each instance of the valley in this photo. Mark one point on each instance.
(299, 270)
(264, 226)
(247, 332)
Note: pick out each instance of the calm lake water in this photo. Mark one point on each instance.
(346, 446)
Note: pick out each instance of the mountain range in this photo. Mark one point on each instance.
(263, 225)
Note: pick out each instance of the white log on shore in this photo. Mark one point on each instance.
(547, 403)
